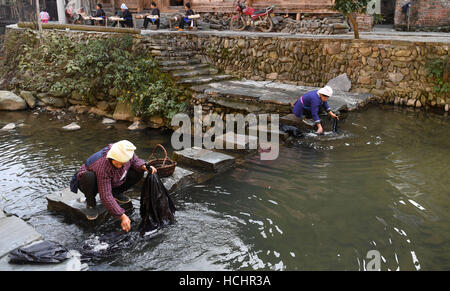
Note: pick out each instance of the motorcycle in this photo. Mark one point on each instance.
(248, 16)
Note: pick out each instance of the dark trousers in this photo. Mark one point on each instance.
(147, 20)
(184, 21)
(88, 184)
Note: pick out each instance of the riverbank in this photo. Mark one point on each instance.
(395, 71)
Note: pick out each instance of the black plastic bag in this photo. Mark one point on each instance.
(48, 252)
(157, 209)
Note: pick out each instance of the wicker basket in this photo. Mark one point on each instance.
(165, 166)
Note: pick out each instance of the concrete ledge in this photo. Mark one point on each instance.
(15, 233)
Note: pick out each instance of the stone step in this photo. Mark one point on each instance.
(165, 58)
(185, 67)
(183, 62)
(175, 53)
(16, 233)
(204, 79)
(204, 159)
(73, 206)
(234, 141)
(195, 72)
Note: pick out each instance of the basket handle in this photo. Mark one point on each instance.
(165, 152)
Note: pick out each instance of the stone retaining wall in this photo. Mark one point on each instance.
(394, 70)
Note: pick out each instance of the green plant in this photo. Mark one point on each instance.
(438, 69)
(348, 8)
(94, 68)
(378, 18)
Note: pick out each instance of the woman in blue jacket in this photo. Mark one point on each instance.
(312, 101)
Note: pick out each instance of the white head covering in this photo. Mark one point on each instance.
(123, 6)
(327, 91)
(121, 151)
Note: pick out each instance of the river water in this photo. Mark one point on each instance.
(380, 184)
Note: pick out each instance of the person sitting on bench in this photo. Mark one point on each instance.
(186, 19)
(126, 15)
(100, 13)
(155, 11)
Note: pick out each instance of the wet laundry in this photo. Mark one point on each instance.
(157, 209)
(291, 130)
(335, 125)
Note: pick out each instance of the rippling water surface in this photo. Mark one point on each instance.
(380, 184)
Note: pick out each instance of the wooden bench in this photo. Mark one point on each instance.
(114, 18)
(194, 18)
(143, 16)
(85, 18)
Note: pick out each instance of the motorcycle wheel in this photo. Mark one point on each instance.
(267, 24)
(238, 24)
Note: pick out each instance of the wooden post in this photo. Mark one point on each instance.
(61, 11)
(38, 11)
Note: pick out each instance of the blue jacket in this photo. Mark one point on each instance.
(312, 102)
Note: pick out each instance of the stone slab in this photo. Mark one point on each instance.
(340, 83)
(194, 72)
(71, 264)
(204, 79)
(15, 233)
(180, 178)
(204, 159)
(73, 206)
(258, 94)
(235, 141)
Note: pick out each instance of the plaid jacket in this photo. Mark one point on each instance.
(109, 177)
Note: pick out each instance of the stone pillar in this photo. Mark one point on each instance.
(61, 11)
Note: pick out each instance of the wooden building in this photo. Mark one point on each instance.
(283, 6)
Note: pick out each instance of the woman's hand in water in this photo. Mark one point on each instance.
(334, 115)
(125, 223)
(320, 129)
